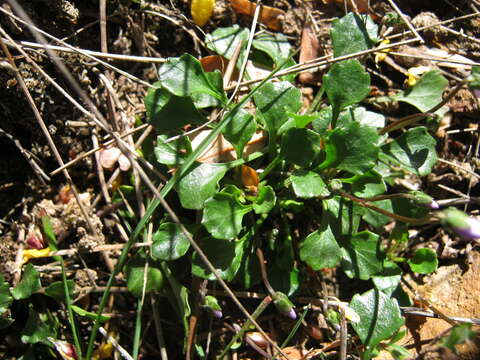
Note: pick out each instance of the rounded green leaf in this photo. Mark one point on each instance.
(362, 257)
(224, 41)
(368, 185)
(413, 151)
(265, 200)
(171, 153)
(135, 274)
(353, 33)
(240, 130)
(222, 216)
(199, 184)
(184, 77)
(169, 242)
(353, 149)
(346, 83)
(56, 290)
(5, 298)
(300, 146)
(226, 257)
(320, 250)
(274, 101)
(380, 318)
(28, 285)
(424, 261)
(38, 328)
(307, 184)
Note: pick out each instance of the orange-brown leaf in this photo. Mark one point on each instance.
(249, 177)
(269, 16)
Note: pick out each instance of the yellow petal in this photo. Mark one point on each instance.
(34, 253)
(202, 11)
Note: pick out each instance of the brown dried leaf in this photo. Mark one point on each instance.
(268, 15)
(308, 51)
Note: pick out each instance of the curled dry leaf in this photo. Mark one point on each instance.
(269, 16)
(216, 62)
(221, 150)
(250, 178)
(109, 157)
(308, 51)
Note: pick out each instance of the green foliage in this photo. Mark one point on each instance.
(320, 249)
(424, 261)
(380, 318)
(142, 276)
(38, 328)
(458, 335)
(28, 285)
(56, 290)
(353, 33)
(308, 184)
(169, 242)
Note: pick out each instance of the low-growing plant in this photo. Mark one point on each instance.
(314, 193)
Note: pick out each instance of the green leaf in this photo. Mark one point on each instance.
(265, 200)
(178, 296)
(387, 281)
(199, 184)
(226, 257)
(222, 216)
(29, 284)
(240, 130)
(399, 206)
(5, 298)
(353, 33)
(474, 78)
(184, 77)
(135, 273)
(278, 49)
(353, 149)
(362, 257)
(343, 216)
(47, 229)
(424, 261)
(457, 336)
(308, 184)
(171, 153)
(399, 352)
(346, 83)
(56, 290)
(362, 116)
(426, 93)
(413, 151)
(320, 250)
(367, 185)
(224, 41)
(169, 242)
(38, 327)
(380, 318)
(300, 146)
(90, 315)
(274, 101)
(323, 120)
(167, 112)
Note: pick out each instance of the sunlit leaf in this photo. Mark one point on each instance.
(320, 249)
(362, 256)
(424, 261)
(353, 33)
(300, 146)
(169, 242)
(135, 274)
(307, 184)
(28, 285)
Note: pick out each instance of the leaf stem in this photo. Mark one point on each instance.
(270, 167)
(366, 204)
(263, 269)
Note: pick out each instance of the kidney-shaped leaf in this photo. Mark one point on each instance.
(413, 150)
(226, 257)
(184, 77)
(265, 200)
(240, 130)
(28, 285)
(380, 317)
(424, 261)
(135, 273)
(346, 83)
(320, 250)
(171, 153)
(167, 112)
(426, 93)
(353, 33)
(362, 257)
(223, 214)
(224, 41)
(353, 148)
(300, 146)
(307, 184)
(199, 184)
(274, 101)
(169, 242)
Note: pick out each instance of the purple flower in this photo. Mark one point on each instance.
(217, 314)
(460, 223)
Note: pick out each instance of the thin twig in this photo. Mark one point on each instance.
(406, 20)
(468, 171)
